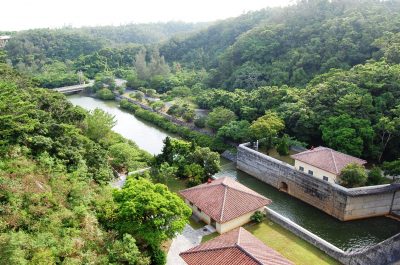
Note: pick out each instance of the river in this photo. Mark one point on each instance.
(351, 235)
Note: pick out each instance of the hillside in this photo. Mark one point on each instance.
(287, 46)
(34, 48)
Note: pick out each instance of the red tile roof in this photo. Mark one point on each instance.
(237, 247)
(224, 199)
(327, 159)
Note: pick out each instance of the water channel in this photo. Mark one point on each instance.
(351, 235)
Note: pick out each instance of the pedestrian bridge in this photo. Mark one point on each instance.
(73, 89)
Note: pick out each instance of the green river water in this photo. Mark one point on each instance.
(351, 235)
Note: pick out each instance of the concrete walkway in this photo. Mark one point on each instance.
(188, 239)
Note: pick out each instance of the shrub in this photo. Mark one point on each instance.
(189, 115)
(353, 175)
(257, 217)
(283, 146)
(105, 94)
(200, 122)
(375, 176)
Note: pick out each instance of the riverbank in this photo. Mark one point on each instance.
(186, 131)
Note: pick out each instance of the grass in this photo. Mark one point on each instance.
(209, 237)
(288, 244)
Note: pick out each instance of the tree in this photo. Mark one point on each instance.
(195, 174)
(237, 131)
(105, 94)
(207, 159)
(98, 124)
(387, 128)
(139, 95)
(392, 168)
(140, 65)
(283, 146)
(164, 173)
(157, 213)
(126, 157)
(268, 127)
(125, 251)
(219, 117)
(353, 175)
(375, 176)
(347, 134)
(200, 122)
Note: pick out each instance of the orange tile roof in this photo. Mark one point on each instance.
(224, 199)
(327, 159)
(237, 247)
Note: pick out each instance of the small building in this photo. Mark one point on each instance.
(324, 163)
(3, 40)
(237, 247)
(224, 203)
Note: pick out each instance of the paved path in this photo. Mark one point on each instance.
(188, 239)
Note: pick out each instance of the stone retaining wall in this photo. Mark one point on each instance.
(342, 203)
(383, 253)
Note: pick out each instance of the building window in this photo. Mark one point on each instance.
(199, 210)
(310, 172)
(301, 169)
(191, 203)
(325, 178)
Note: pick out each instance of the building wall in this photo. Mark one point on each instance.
(204, 217)
(244, 219)
(344, 204)
(317, 172)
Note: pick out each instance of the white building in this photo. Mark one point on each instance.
(224, 203)
(324, 163)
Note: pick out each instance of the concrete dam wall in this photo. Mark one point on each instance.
(342, 203)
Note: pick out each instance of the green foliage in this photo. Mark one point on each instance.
(104, 80)
(192, 162)
(98, 124)
(139, 95)
(153, 71)
(126, 157)
(57, 74)
(283, 146)
(182, 110)
(267, 127)
(164, 173)
(375, 176)
(56, 202)
(219, 117)
(125, 251)
(105, 94)
(236, 131)
(348, 135)
(200, 122)
(157, 213)
(257, 217)
(392, 168)
(157, 105)
(290, 45)
(353, 175)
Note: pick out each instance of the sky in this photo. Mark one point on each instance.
(26, 14)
